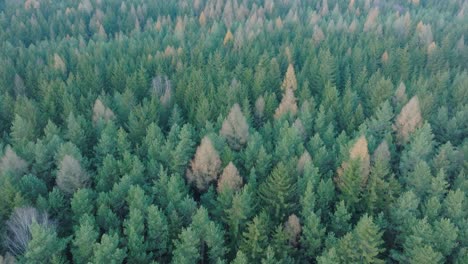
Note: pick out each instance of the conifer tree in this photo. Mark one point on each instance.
(288, 104)
(85, 236)
(289, 81)
(235, 128)
(278, 192)
(408, 120)
(108, 251)
(71, 176)
(255, 239)
(45, 245)
(205, 166)
(229, 179)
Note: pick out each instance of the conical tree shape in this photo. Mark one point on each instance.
(288, 104)
(408, 120)
(278, 190)
(205, 166)
(228, 37)
(353, 175)
(235, 128)
(289, 81)
(230, 179)
(368, 240)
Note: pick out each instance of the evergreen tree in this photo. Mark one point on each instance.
(45, 246)
(278, 192)
(85, 236)
(255, 239)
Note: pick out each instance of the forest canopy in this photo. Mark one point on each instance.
(233, 131)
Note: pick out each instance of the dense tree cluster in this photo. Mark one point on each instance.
(233, 131)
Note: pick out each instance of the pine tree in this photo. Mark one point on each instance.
(312, 236)
(85, 236)
(183, 151)
(158, 231)
(108, 251)
(255, 239)
(134, 230)
(369, 240)
(186, 247)
(341, 220)
(45, 246)
(278, 191)
(83, 202)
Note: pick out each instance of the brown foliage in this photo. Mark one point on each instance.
(293, 229)
(228, 37)
(408, 120)
(279, 23)
(400, 93)
(353, 26)
(382, 153)
(299, 126)
(318, 35)
(431, 48)
(424, 33)
(18, 228)
(202, 19)
(235, 128)
(303, 161)
(324, 10)
(205, 166)
(259, 107)
(288, 104)
(384, 57)
(230, 179)
(59, 64)
(371, 19)
(31, 4)
(358, 151)
(12, 163)
(101, 112)
(71, 176)
(290, 81)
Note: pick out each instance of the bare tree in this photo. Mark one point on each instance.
(235, 128)
(230, 179)
(101, 112)
(160, 85)
(7, 259)
(205, 166)
(71, 176)
(12, 163)
(18, 228)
